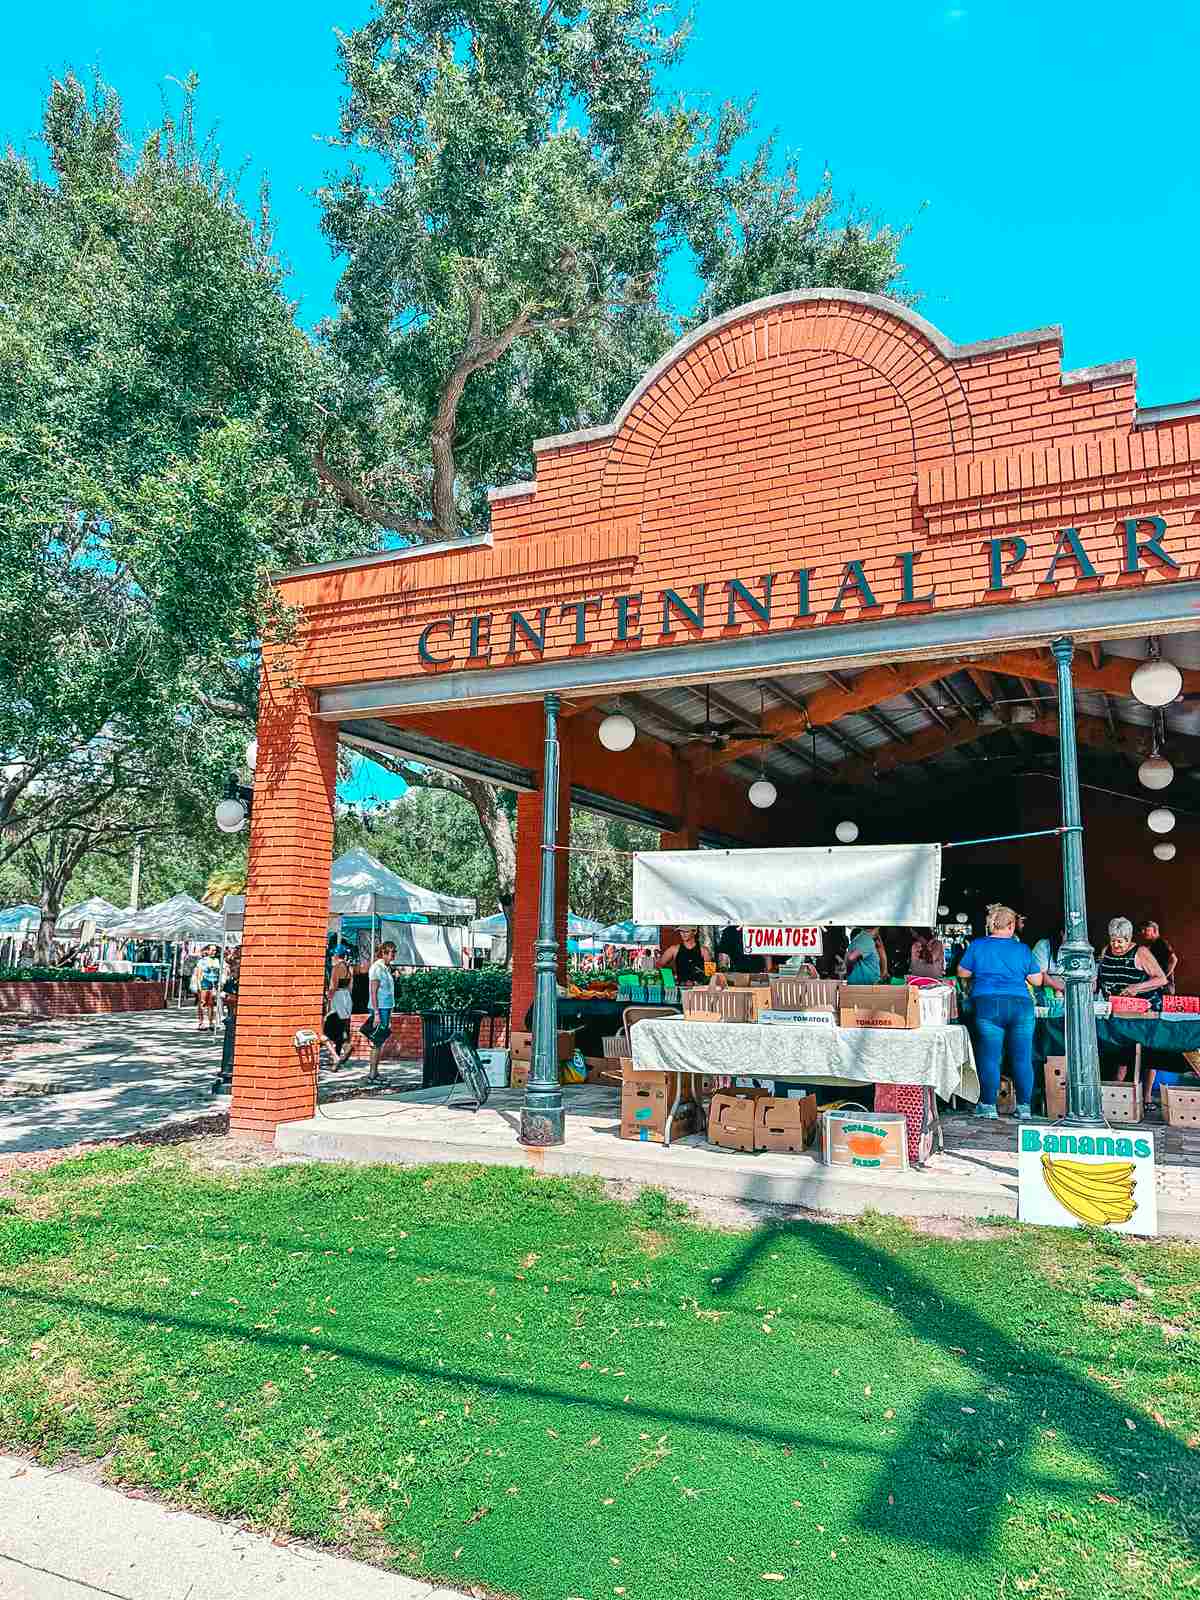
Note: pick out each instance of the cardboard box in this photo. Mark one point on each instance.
(808, 1019)
(869, 1005)
(785, 1124)
(1122, 1102)
(731, 1118)
(874, 1141)
(1118, 1101)
(1056, 1087)
(518, 1075)
(1181, 1106)
(646, 1099)
(806, 994)
(521, 1045)
(602, 1069)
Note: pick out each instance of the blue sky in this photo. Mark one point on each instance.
(1043, 152)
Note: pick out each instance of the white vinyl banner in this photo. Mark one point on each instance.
(884, 885)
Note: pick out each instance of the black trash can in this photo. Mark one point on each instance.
(437, 1030)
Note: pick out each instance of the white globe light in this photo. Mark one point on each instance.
(1165, 851)
(961, 917)
(617, 733)
(847, 832)
(1156, 683)
(252, 754)
(231, 816)
(1155, 772)
(943, 911)
(763, 794)
(1161, 821)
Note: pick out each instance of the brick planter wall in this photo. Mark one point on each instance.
(405, 1041)
(82, 999)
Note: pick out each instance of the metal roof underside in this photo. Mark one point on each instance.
(674, 715)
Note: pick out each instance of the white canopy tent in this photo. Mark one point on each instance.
(101, 913)
(170, 922)
(852, 886)
(361, 886)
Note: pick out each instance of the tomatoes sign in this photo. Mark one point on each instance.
(782, 941)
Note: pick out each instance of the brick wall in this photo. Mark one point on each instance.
(287, 906)
(82, 999)
(802, 435)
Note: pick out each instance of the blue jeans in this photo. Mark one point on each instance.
(1004, 1021)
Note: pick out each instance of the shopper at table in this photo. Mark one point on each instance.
(1150, 938)
(685, 957)
(1047, 953)
(732, 946)
(999, 968)
(927, 956)
(866, 959)
(1126, 968)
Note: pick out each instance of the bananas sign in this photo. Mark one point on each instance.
(1098, 1180)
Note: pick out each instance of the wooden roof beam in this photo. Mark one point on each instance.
(827, 705)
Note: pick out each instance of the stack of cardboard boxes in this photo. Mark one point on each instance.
(521, 1047)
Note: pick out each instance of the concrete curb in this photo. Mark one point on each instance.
(65, 1538)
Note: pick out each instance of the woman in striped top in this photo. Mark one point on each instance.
(1125, 968)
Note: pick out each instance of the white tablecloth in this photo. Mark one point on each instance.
(941, 1057)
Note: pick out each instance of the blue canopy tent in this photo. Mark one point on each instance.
(630, 933)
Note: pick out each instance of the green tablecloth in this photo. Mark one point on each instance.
(1118, 1033)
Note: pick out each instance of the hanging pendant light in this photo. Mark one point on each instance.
(961, 917)
(762, 793)
(1161, 821)
(1156, 772)
(943, 911)
(1156, 682)
(1165, 851)
(846, 832)
(617, 732)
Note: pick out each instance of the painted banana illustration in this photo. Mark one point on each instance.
(1098, 1193)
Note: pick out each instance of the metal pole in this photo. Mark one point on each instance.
(542, 1113)
(1079, 967)
(135, 877)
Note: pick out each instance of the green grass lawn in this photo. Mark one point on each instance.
(499, 1380)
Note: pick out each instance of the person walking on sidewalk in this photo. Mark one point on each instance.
(339, 1006)
(381, 1001)
(206, 977)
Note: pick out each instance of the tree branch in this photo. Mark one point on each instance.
(479, 353)
(355, 500)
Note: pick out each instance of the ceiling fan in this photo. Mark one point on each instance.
(717, 734)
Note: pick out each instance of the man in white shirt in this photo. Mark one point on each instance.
(381, 1001)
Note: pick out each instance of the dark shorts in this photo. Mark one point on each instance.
(381, 1029)
(335, 1029)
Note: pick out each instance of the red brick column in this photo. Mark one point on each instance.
(287, 910)
(526, 888)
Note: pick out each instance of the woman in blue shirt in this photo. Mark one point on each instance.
(999, 968)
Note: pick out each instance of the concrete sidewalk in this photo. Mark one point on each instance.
(108, 1077)
(63, 1537)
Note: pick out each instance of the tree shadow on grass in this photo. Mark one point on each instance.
(958, 1457)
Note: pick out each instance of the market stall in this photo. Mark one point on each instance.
(902, 1043)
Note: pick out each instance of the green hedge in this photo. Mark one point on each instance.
(449, 989)
(61, 975)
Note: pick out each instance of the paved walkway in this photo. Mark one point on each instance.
(66, 1537)
(974, 1177)
(112, 1076)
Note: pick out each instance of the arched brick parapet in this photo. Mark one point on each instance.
(778, 345)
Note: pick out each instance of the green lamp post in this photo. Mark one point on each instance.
(1078, 963)
(542, 1113)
